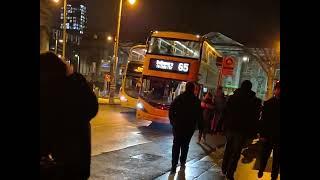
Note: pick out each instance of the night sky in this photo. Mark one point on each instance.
(255, 23)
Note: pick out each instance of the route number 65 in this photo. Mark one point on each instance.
(184, 67)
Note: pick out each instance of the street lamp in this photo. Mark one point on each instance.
(115, 52)
(245, 59)
(109, 38)
(132, 1)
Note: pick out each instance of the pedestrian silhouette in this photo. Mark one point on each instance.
(204, 124)
(184, 112)
(67, 104)
(270, 134)
(241, 120)
(219, 104)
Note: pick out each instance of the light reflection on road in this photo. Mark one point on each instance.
(115, 128)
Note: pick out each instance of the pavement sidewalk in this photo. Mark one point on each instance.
(209, 167)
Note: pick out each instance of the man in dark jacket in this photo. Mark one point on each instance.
(270, 133)
(81, 107)
(241, 119)
(184, 113)
(67, 104)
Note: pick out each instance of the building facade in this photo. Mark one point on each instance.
(246, 66)
(76, 17)
(97, 57)
(76, 26)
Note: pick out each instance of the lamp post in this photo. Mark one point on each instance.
(78, 58)
(56, 49)
(64, 26)
(115, 56)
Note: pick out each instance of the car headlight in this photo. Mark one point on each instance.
(122, 98)
(139, 105)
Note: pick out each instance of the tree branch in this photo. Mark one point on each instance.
(258, 58)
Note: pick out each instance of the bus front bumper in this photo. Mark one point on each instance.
(141, 115)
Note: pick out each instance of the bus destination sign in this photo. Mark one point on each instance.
(169, 66)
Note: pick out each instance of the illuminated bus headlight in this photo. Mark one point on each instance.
(139, 105)
(122, 98)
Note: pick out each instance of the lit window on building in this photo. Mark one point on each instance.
(82, 7)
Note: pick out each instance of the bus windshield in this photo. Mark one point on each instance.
(161, 91)
(132, 86)
(174, 47)
(132, 82)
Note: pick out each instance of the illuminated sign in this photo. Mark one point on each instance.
(169, 66)
(228, 66)
(105, 67)
(138, 69)
(134, 69)
(205, 89)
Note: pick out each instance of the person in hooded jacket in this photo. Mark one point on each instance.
(67, 104)
(241, 120)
